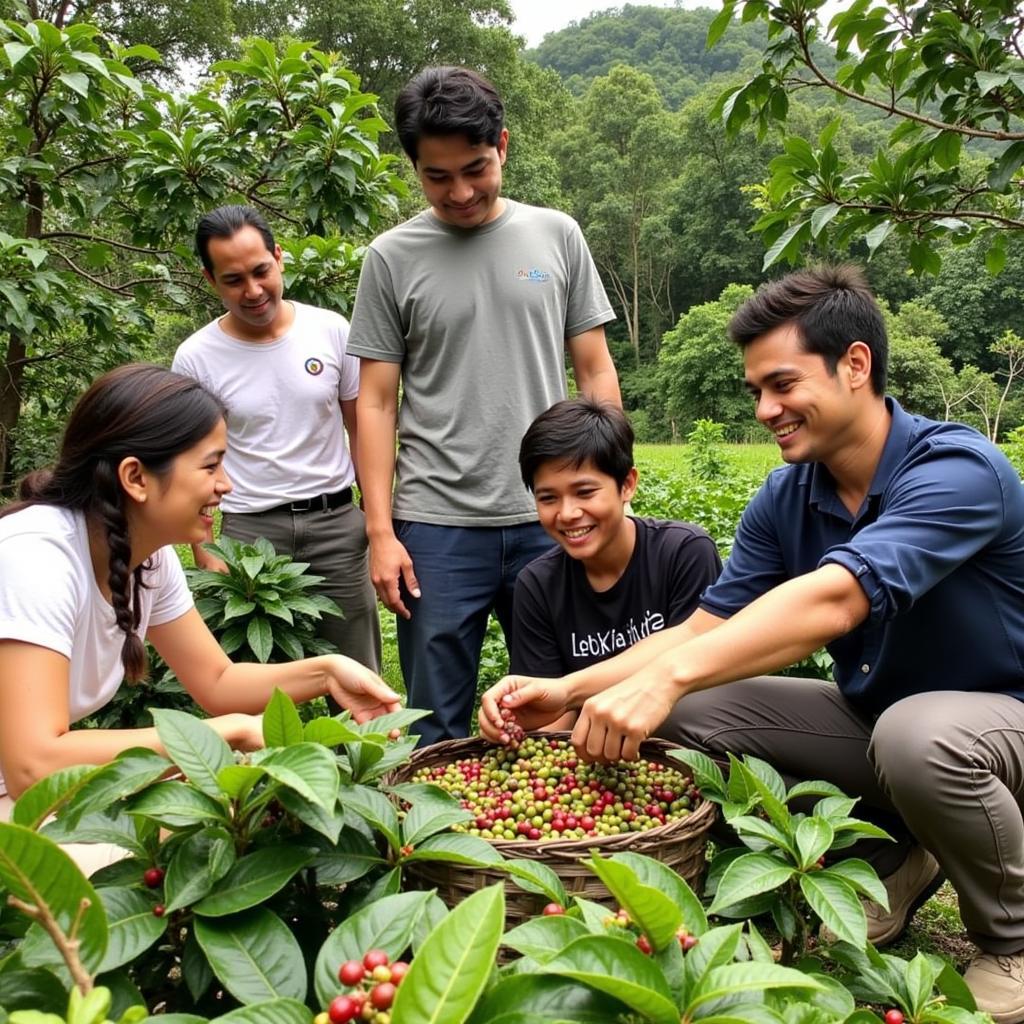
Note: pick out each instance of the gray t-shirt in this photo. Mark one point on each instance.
(478, 319)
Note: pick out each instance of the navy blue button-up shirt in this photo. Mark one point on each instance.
(938, 547)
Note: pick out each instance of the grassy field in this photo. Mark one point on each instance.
(747, 458)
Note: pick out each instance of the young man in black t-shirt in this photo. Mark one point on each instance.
(614, 578)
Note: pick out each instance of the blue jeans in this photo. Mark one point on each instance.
(464, 574)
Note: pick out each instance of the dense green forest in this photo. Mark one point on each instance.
(123, 122)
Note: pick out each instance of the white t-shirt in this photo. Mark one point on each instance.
(286, 437)
(49, 597)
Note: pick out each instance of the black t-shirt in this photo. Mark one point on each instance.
(562, 624)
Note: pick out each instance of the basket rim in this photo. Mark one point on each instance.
(697, 822)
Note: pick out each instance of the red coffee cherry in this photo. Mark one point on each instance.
(553, 910)
(342, 1010)
(153, 877)
(893, 1017)
(350, 972)
(159, 910)
(644, 945)
(399, 969)
(375, 958)
(382, 995)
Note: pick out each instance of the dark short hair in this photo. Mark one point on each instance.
(575, 431)
(831, 306)
(448, 101)
(226, 222)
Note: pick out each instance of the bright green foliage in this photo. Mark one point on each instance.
(952, 80)
(700, 371)
(103, 178)
(783, 873)
(705, 451)
(261, 609)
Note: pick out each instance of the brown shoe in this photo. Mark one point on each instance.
(997, 983)
(908, 887)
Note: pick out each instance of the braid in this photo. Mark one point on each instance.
(124, 585)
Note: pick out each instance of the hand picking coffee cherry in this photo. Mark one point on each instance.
(153, 877)
(893, 1016)
(513, 730)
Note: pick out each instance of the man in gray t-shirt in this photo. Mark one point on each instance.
(470, 306)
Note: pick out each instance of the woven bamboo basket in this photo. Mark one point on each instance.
(679, 844)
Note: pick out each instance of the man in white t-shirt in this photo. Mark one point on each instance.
(290, 388)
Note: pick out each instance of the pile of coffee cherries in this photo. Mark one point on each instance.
(371, 983)
(540, 790)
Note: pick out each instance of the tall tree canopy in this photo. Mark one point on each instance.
(950, 76)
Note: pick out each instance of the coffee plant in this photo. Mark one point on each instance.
(261, 609)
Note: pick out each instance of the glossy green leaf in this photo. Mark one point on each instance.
(451, 969)
(862, 876)
(327, 823)
(654, 912)
(386, 924)
(37, 871)
(112, 826)
(282, 726)
(619, 969)
(237, 780)
(253, 879)
(44, 797)
(813, 837)
(722, 982)
(351, 857)
(707, 776)
(836, 903)
(200, 861)
(658, 875)
(535, 876)
(274, 1011)
(329, 732)
(177, 804)
(375, 808)
(260, 636)
(254, 955)
(307, 768)
(821, 217)
(129, 772)
(32, 989)
(434, 912)
(545, 997)
(132, 926)
(194, 747)
(456, 848)
(543, 938)
(749, 875)
(432, 811)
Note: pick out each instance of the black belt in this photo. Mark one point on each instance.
(320, 503)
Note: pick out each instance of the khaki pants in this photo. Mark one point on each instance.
(944, 769)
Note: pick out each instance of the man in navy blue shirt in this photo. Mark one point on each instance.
(898, 543)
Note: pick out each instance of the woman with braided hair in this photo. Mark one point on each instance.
(86, 572)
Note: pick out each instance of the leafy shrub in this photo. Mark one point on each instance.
(261, 608)
(706, 454)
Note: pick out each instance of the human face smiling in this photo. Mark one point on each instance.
(247, 277)
(811, 412)
(583, 510)
(462, 182)
(179, 506)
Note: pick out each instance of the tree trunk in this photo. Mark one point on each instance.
(10, 407)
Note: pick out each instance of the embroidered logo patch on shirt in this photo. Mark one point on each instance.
(314, 366)
(533, 274)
